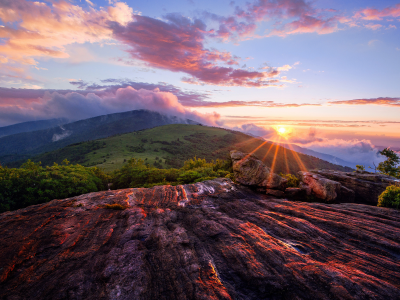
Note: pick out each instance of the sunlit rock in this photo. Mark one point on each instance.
(251, 171)
(209, 240)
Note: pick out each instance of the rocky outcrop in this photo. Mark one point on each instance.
(251, 171)
(366, 186)
(358, 187)
(210, 240)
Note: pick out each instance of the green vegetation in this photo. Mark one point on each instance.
(293, 181)
(169, 146)
(360, 168)
(389, 166)
(34, 184)
(390, 197)
(136, 173)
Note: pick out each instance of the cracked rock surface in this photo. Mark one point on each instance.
(210, 240)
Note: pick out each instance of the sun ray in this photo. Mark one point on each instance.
(275, 156)
(286, 160)
(298, 159)
(265, 156)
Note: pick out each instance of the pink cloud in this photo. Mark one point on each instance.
(177, 44)
(376, 15)
(195, 103)
(75, 106)
(307, 19)
(387, 101)
(373, 26)
(35, 29)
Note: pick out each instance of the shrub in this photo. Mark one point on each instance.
(33, 184)
(360, 168)
(293, 181)
(390, 197)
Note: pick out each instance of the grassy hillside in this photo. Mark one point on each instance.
(27, 144)
(170, 145)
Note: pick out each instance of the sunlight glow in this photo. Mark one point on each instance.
(282, 131)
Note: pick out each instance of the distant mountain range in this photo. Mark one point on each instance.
(169, 146)
(327, 157)
(31, 126)
(23, 145)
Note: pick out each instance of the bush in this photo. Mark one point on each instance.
(390, 197)
(293, 181)
(33, 184)
(136, 173)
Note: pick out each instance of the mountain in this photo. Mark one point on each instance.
(170, 145)
(327, 157)
(31, 126)
(209, 240)
(24, 145)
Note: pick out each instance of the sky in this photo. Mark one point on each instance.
(322, 74)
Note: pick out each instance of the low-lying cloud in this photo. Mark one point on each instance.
(254, 130)
(361, 152)
(76, 106)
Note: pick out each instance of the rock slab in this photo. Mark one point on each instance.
(210, 240)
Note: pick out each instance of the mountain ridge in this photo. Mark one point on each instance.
(26, 144)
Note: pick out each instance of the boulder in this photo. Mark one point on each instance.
(249, 170)
(366, 186)
(209, 240)
(320, 187)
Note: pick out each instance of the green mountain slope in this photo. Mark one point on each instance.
(24, 145)
(31, 126)
(170, 145)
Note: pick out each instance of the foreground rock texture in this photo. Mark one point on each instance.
(358, 187)
(210, 240)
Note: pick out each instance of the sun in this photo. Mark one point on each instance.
(282, 131)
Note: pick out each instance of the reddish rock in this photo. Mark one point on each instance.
(275, 193)
(366, 186)
(251, 171)
(210, 240)
(296, 193)
(320, 187)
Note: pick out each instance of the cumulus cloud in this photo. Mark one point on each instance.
(75, 106)
(38, 29)
(177, 44)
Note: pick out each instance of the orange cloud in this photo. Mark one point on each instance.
(387, 101)
(45, 29)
